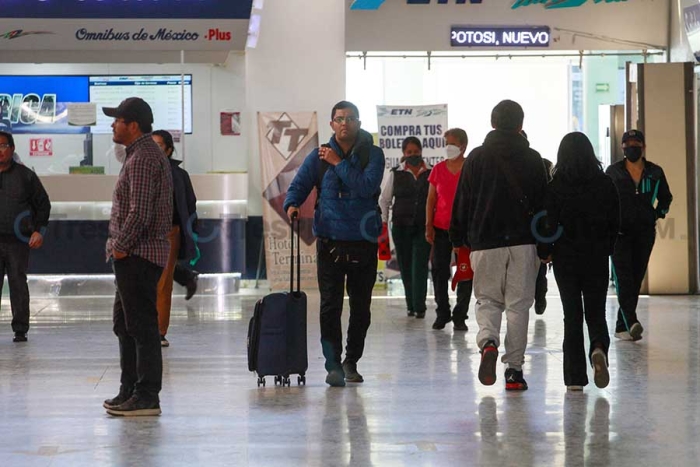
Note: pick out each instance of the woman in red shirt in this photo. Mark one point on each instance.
(443, 186)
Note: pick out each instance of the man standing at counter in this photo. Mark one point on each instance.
(142, 210)
(24, 213)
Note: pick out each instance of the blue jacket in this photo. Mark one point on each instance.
(347, 209)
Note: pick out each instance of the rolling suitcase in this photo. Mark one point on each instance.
(277, 331)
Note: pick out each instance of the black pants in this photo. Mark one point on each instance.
(14, 261)
(541, 284)
(413, 253)
(587, 277)
(338, 262)
(630, 261)
(135, 321)
(183, 274)
(442, 259)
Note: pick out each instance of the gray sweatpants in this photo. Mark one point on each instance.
(504, 280)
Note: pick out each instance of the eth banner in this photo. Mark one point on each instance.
(428, 123)
(286, 138)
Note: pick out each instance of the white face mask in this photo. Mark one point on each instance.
(119, 152)
(452, 151)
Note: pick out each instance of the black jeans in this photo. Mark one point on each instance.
(14, 261)
(630, 259)
(587, 277)
(135, 321)
(337, 262)
(442, 259)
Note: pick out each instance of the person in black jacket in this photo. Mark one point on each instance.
(582, 220)
(182, 235)
(405, 193)
(501, 186)
(644, 198)
(24, 215)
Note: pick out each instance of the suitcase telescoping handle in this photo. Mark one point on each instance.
(295, 219)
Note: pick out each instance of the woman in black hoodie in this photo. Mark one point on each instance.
(581, 224)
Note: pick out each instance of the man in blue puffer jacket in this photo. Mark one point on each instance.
(347, 174)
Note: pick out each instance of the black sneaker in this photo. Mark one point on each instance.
(440, 323)
(460, 326)
(540, 305)
(487, 368)
(122, 397)
(191, 286)
(20, 337)
(164, 342)
(515, 380)
(599, 361)
(351, 374)
(420, 314)
(136, 406)
(636, 331)
(411, 313)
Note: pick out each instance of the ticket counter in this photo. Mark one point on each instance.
(81, 204)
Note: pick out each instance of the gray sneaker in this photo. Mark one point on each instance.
(351, 374)
(335, 378)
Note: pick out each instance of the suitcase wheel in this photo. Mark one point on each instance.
(278, 380)
(261, 381)
(286, 381)
(301, 380)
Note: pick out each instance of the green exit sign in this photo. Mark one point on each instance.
(602, 87)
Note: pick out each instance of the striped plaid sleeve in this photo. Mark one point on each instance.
(140, 203)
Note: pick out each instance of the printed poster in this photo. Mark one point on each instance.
(428, 123)
(286, 138)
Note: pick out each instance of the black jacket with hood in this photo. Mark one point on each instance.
(184, 210)
(582, 220)
(641, 205)
(501, 186)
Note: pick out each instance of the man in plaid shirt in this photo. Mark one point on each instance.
(142, 209)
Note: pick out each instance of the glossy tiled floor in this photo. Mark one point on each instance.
(421, 404)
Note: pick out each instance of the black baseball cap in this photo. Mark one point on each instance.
(633, 134)
(133, 109)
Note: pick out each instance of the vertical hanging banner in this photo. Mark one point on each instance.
(426, 122)
(286, 138)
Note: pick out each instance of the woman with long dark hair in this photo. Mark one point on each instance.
(581, 225)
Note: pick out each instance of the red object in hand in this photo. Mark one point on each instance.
(384, 249)
(464, 267)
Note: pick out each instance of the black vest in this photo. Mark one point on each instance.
(410, 196)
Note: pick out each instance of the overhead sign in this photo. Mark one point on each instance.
(557, 4)
(375, 4)
(139, 25)
(122, 34)
(526, 36)
(106, 9)
(366, 4)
